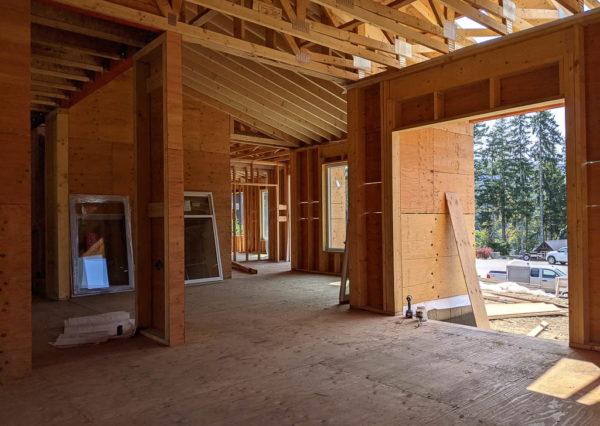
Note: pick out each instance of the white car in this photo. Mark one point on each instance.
(560, 256)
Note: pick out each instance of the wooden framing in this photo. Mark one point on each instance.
(247, 182)
(58, 265)
(306, 211)
(538, 67)
(159, 238)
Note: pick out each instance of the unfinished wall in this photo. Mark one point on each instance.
(206, 165)
(15, 201)
(365, 226)
(101, 158)
(592, 99)
(307, 198)
(432, 161)
(249, 180)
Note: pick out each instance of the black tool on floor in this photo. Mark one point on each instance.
(409, 312)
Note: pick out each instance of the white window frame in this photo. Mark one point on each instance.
(216, 234)
(75, 199)
(326, 212)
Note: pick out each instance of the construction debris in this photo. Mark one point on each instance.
(536, 331)
(95, 329)
(246, 269)
(511, 310)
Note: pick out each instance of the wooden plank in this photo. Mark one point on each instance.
(467, 259)
(520, 310)
(538, 329)
(239, 267)
(211, 39)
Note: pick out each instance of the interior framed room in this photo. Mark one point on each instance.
(315, 162)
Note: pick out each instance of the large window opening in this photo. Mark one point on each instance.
(521, 222)
(335, 177)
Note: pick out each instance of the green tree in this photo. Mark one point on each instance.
(519, 172)
(551, 188)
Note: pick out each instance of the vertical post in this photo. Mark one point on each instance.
(15, 198)
(390, 207)
(159, 245)
(58, 249)
(577, 189)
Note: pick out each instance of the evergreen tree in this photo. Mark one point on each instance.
(550, 175)
(519, 174)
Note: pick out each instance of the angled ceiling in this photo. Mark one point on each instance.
(277, 66)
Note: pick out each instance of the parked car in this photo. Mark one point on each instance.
(544, 277)
(532, 256)
(559, 256)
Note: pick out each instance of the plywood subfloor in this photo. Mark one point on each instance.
(275, 348)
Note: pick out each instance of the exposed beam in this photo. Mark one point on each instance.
(259, 140)
(56, 85)
(59, 74)
(55, 95)
(277, 24)
(67, 20)
(386, 23)
(573, 6)
(243, 117)
(209, 39)
(263, 88)
(235, 94)
(476, 15)
(66, 62)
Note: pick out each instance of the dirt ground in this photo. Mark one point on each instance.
(558, 328)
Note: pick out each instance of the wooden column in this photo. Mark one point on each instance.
(15, 201)
(159, 245)
(58, 248)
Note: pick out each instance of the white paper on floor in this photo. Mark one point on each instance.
(95, 329)
(511, 287)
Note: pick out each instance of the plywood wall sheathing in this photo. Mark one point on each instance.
(551, 66)
(15, 201)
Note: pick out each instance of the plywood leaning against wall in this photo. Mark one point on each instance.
(550, 66)
(307, 211)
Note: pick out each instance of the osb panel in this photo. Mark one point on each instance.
(15, 290)
(101, 141)
(434, 161)
(430, 264)
(206, 165)
(15, 202)
(204, 128)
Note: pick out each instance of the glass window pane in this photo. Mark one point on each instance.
(197, 205)
(337, 205)
(101, 244)
(201, 259)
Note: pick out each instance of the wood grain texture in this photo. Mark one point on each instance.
(58, 244)
(15, 201)
(467, 259)
(308, 230)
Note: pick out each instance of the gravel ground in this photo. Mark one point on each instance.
(557, 330)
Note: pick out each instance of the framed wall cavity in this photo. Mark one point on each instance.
(202, 254)
(101, 248)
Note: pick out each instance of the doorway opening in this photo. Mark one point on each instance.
(521, 222)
